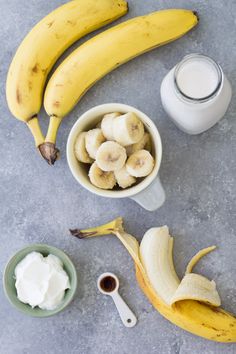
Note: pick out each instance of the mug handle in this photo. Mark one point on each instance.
(152, 197)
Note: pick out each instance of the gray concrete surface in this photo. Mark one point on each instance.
(39, 203)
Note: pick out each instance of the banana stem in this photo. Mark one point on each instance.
(48, 149)
(36, 131)
(53, 127)
(106, 229)
(114, 227)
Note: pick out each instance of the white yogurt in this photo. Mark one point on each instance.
(41, 281)
(196, 93)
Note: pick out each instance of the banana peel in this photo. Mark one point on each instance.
(199, 318)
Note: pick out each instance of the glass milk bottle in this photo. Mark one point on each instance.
(196, 93)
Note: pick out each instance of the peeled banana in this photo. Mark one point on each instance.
(156, 256)
(171, 297)
(40, 50)
(105, 52)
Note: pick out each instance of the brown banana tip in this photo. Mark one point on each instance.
(49, 152)
(196, 14)
(79, 234)
(75, 232)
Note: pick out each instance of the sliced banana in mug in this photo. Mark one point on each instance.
(144, 143)
(93, 139)
(123, 178)
(107, 125)
(121, 149)
(140, 163)
(101, 179)
(128, 129)
(111, 156)
(80, 149)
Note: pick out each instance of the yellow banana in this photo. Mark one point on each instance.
(105, 52)
(42, 47)
(199, 318)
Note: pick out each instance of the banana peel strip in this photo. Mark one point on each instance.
(197, 258)
(196, 287)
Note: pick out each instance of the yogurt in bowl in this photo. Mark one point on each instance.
(41, 281)
(60, 264)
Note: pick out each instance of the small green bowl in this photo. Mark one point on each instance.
(9, 280)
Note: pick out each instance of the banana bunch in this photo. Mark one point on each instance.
(103, 53)
(45, 43)
(39, 51)
(192, 303)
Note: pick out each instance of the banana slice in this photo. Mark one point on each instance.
(128, 129)
(80, 150)
(101, 179)
(93, 139)
(111, 156)
(107, 125)
(123, 178)
(140, 163)
(144, 143)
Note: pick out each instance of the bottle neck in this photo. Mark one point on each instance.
(197, 79)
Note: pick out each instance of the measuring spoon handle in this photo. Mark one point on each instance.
(127, 316)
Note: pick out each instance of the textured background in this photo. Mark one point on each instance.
(39, 203)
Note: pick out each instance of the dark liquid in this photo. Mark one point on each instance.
(108, 284)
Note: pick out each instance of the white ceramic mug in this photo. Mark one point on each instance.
(149, 192)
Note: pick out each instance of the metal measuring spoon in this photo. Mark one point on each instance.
(108, 284)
